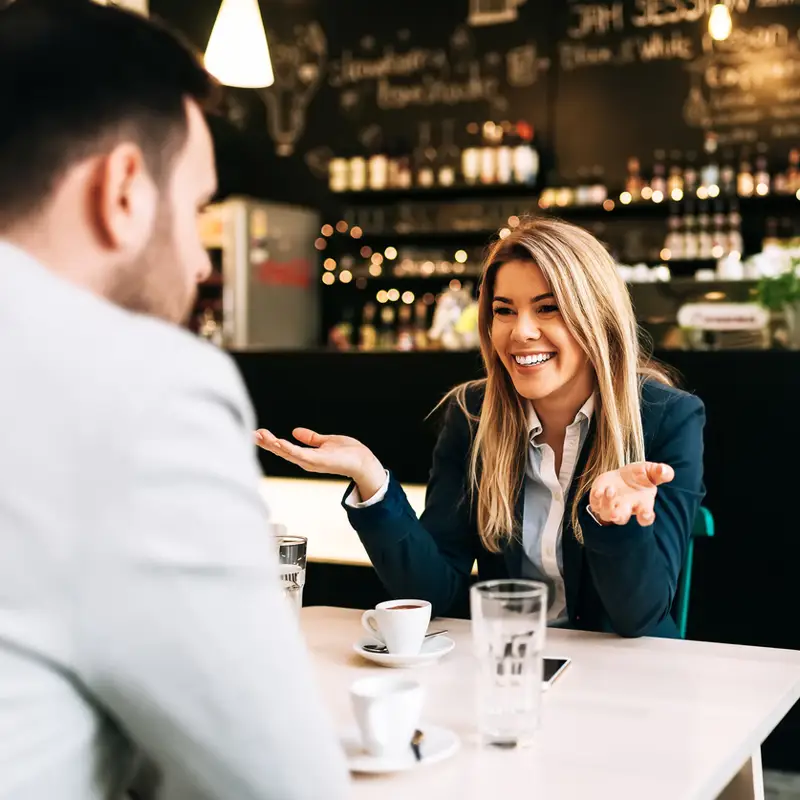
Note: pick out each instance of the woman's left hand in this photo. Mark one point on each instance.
(618, 495)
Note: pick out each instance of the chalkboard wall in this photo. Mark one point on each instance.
(599, 81)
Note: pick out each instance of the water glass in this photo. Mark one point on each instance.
(509, 621)
(292, 558)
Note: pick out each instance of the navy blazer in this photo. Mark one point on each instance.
(622, 579)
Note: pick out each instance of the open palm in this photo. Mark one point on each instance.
(333, 455)
(618, 495)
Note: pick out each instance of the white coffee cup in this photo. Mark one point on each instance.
(387, 711)
(400, 624)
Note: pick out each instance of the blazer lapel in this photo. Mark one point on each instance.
(571, 550)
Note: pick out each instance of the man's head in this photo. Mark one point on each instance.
(105, 157)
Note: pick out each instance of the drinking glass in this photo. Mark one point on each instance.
(292, 558)
(509, 620)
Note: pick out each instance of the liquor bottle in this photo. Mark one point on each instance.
(705, 241)
(405, 331)
(404, 172)
(727, 175)
(793, 172)
(338, 174)
(504, 155)
(735, 240)
(387, 337)
(449, 155)
(761, 175)
(525, 156)
(745, 182)
(675, 184)
(471, 156)
(488, 175)
(421, 325)
(658, 183)
(690, 176)
(378, 169)
(340, 336)
(367, 334)
(709, 173)
(691, 239)
(674, 242)
(634, 182)
(425, 158)
(358, 173)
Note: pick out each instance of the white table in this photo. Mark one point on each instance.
(631, 719)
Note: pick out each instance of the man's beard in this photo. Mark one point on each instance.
(153, 282)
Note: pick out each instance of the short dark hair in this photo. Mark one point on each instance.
(77, 78)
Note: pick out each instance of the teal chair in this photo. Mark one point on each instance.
(703, 527)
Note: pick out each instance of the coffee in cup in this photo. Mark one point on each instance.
(400, 624)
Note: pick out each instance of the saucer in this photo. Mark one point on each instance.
(437, 744)
(432, 650)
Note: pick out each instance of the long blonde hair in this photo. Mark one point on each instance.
(596, 307)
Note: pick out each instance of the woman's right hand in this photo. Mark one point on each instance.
(333, 455)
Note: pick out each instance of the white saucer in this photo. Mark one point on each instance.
(437, 744)
(432, 650)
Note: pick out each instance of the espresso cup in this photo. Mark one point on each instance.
(387, 712)
(400, 624)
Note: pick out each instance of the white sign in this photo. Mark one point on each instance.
(132, 5)
(723, 316)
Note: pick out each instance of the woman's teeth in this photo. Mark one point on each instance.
(529, 361)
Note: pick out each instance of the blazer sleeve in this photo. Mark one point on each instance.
(635, 568)
(429, 558)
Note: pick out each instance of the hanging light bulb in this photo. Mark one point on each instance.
(720, 23)
(237, 52)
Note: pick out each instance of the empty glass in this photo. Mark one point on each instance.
(509, 620)
(292, 557)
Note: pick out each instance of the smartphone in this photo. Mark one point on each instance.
(553, 669)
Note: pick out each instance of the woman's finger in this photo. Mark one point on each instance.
(309, 437)
(659, 473)
(265, 439)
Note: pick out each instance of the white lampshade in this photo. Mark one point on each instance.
(237, 52)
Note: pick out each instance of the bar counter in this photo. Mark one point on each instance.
(744, 579)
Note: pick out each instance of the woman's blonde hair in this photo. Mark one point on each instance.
(596, 307)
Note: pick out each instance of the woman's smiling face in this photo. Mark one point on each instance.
(530, 336)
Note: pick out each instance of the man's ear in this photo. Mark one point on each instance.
(125, 199)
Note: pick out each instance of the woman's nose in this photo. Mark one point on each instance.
(526, 328)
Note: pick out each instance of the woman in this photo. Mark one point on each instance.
(574, 462)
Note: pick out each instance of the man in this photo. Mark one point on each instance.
(140, 609)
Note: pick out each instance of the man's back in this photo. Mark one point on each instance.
(139, 601)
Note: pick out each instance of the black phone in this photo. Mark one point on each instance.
(553, 669)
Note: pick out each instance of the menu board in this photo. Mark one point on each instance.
(635, 76)
(598, 81)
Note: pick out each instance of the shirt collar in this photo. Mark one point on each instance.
(585, 412)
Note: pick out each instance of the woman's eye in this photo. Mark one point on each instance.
(547, 309)
(501, 311)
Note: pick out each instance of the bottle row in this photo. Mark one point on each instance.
(754, 172)
(492, 154)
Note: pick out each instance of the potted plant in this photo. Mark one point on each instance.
(781, 293)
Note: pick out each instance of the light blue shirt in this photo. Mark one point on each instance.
(544, 506)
